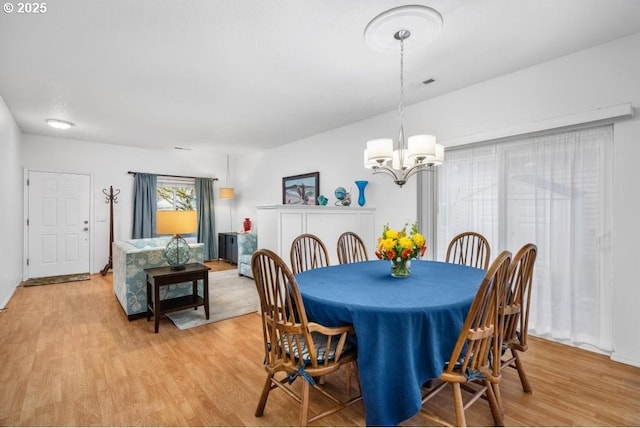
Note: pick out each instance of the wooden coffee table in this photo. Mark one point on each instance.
(157, 277)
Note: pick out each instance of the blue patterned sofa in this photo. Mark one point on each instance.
(247, 245)
(131, 258)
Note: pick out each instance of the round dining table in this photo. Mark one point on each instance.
(405, 328)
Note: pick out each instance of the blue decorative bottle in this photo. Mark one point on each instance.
(361, 185)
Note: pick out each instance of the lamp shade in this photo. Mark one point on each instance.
(439, 158)
(422, 146)
(176, 222)
(380, 149)
(368, 163)
(226, 193)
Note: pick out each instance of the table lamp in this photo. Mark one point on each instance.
(177, 223)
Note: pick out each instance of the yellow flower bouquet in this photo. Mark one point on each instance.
(400, 247)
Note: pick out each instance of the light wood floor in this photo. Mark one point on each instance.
(69, 357)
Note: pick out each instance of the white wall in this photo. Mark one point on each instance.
(108, 165)
(338, 156)
(602, 76)
(11, 226)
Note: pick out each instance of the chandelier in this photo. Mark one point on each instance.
(419, 152)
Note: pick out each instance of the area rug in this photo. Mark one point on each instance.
(230, 295)
(57, 279)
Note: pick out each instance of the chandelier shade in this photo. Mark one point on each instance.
(419, 152)
(380, 150)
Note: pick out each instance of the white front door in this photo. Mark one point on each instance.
(58, 223)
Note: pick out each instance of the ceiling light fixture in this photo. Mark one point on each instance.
(59, 124)
(422, 152)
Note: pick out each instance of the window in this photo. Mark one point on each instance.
(553, 191)
(176, 194)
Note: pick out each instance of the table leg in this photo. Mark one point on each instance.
(194, 291)
(148, 299)
(156, 307)
(205, 290)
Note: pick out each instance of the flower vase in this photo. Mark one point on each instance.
(400, 268)
(361, 185)
(247, 224)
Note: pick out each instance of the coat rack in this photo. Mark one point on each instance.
(111, 197)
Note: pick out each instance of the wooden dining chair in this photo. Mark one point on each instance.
(470, 249)
(294, 347)
(515, 311)
(351, 249)
(469, 367)
(308, 252)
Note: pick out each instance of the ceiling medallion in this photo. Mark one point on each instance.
(422, 22)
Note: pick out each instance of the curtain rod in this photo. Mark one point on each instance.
(169, 175)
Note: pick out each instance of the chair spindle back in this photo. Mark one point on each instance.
(470, 249)
(308, 252)
(351, 249)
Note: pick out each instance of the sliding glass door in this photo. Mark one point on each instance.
(554, 191)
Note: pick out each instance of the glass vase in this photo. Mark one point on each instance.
(400, 268)
(361, 185)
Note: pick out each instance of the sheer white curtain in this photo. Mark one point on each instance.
(553, 191)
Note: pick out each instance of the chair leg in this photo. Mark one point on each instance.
(498, 395)
(458, 405)
(347, 370)
(265, 394)
(493, 396)
(526, 387)
(357, 375)
(304, 405)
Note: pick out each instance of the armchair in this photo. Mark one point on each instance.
(247, 245)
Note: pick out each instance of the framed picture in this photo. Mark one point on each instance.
(301, 189)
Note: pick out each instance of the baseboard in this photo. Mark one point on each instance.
(4, 304)
(625, 360)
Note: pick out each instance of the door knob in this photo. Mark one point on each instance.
(85, 229)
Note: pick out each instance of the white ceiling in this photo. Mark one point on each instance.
(230, 76)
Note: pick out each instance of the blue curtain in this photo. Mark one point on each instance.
(144, 205)
(206, 228)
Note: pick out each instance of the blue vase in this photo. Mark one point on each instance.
(361, 185)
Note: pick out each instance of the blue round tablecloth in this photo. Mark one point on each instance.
(406, 328)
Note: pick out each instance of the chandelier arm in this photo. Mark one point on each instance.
(386, 170)
(415, 168)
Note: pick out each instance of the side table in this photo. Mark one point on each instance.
(157, 277)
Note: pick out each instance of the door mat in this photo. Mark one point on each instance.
(56, 279)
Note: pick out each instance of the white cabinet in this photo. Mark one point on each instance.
(279, 225)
